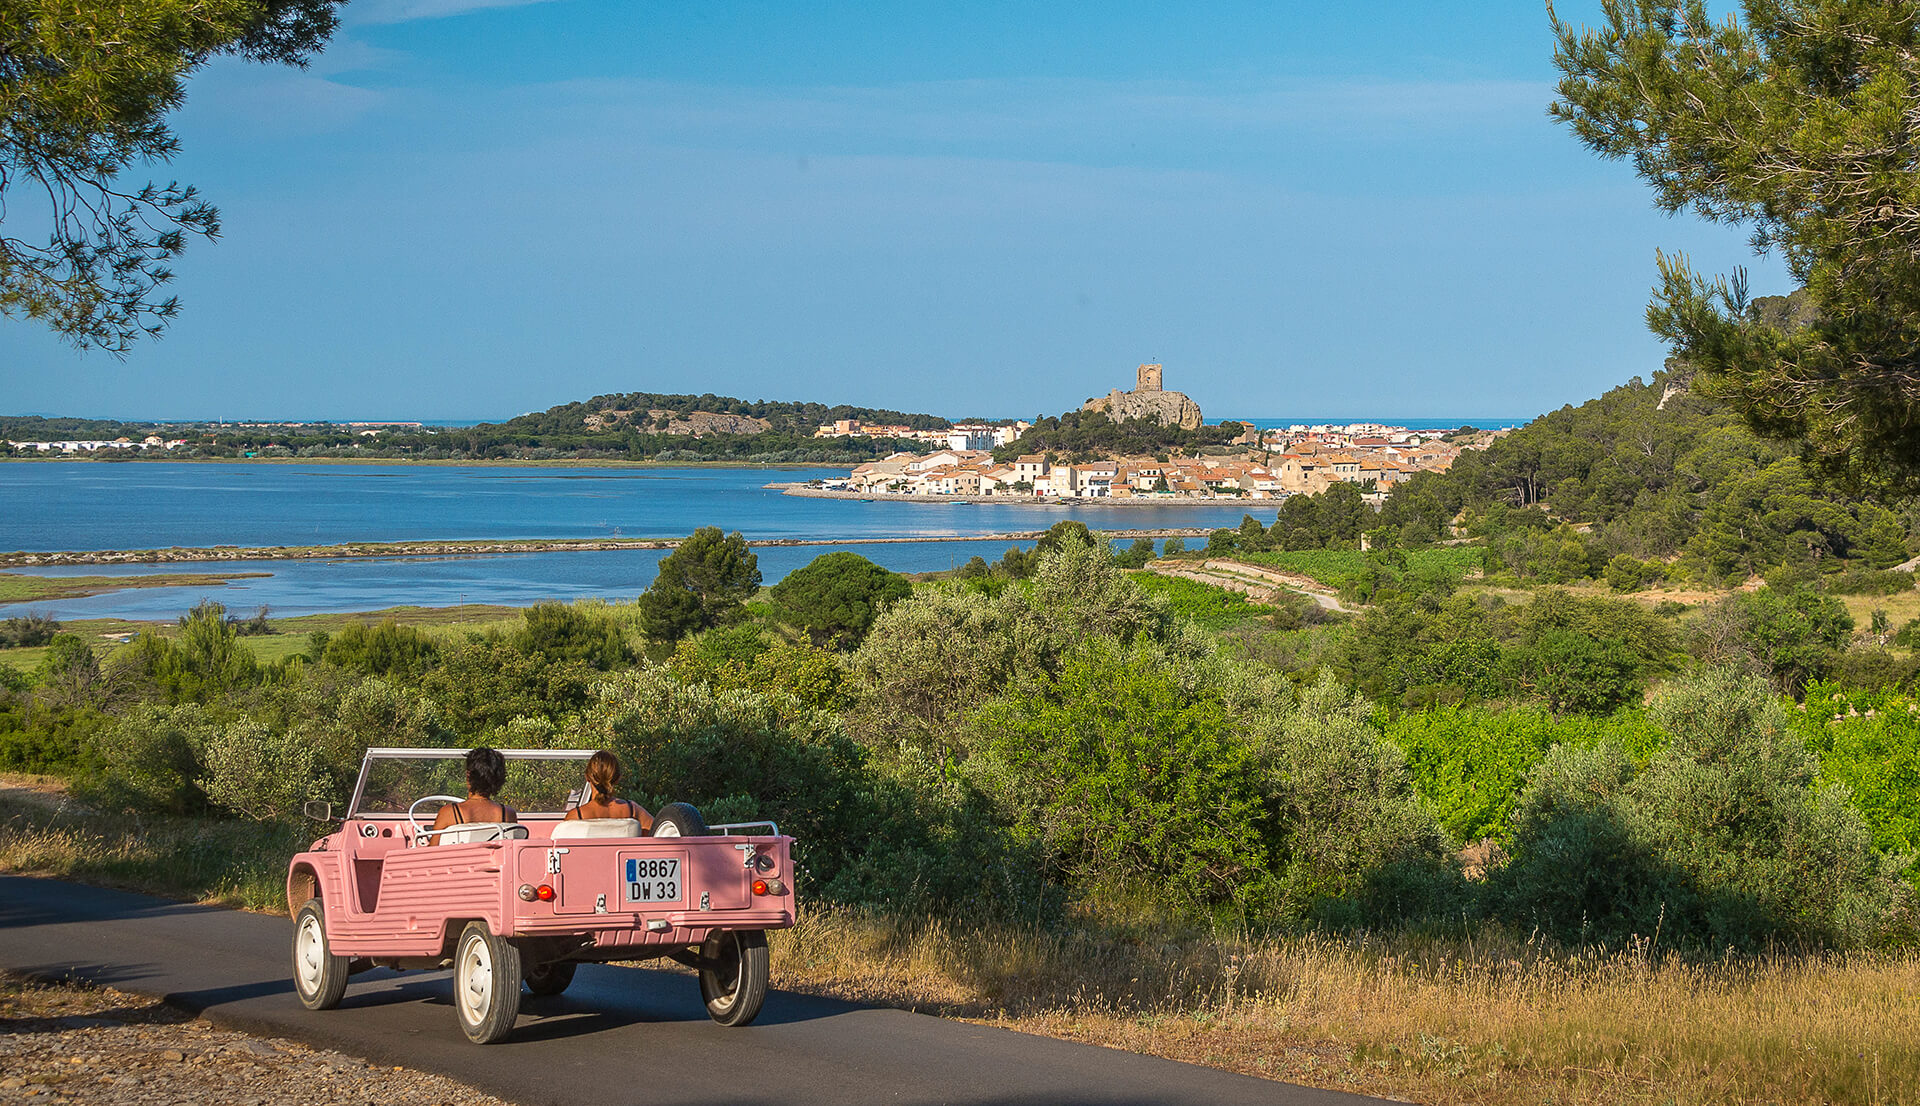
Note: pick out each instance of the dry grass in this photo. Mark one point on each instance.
(44, 833)
(1436, 1021)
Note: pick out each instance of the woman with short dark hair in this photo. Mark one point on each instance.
(486, 774)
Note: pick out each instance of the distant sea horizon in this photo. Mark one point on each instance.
(1263, 422)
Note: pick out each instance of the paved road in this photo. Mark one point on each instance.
(616, 1035)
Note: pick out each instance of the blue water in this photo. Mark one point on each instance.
(146, 505)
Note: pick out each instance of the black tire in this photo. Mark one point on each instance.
(551, 979)
(679, 820)
(733, 975)
(486, 984)
(319, 977)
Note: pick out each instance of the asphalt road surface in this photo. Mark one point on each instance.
(617, 1035)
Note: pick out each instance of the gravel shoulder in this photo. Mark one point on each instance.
(65, 1042)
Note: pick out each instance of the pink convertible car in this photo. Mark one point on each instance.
(523, 903)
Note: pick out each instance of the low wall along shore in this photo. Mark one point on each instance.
(176, 555)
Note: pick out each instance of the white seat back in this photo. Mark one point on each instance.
(470, 832)
(596, 827)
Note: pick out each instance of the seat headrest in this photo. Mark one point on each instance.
(597, 827)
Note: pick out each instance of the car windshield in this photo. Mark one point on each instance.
(539, 781)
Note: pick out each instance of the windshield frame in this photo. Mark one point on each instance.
(381, 753)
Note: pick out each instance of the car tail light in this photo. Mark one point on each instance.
(527, 893)
(545, 892)
(769, 887)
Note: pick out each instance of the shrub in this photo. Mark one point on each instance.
(149, 759)
(1355, 845)
(836, 597)
(388, 649)
(559, 632)
(1722, 840)
(1794, 636)
(1867, 581)
(260, 773)
(27, 630)
(1116, 773)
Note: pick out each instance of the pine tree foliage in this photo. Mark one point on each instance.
(85, 89)
(1797, 118)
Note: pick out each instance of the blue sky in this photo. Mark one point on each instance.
(472, 209)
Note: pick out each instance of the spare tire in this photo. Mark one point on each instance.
(679, 820)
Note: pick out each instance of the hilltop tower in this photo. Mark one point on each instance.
(1148, 401)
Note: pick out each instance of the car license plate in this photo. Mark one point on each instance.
(653, 879)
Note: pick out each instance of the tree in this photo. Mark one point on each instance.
(837, 596)
(701, 585)
(84, 94)
(1798, 119)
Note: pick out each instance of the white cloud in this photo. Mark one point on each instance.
(406, 11)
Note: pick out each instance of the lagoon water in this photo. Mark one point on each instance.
(83, 505)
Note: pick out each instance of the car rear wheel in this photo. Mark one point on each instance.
(319, 977)
(486, 984)
(679, 820)
(733, 975)
(551, 979)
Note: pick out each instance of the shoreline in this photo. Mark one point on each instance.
(470, 548)
(487, 462)
(803, 491)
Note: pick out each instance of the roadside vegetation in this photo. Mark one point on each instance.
(1529, 822)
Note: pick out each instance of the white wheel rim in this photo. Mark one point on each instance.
(309, 962)
(666, 829)
(476, 980)
(732, 954)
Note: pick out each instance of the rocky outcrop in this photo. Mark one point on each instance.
(1170, 408)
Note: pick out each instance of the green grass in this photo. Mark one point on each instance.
(1212, 607)
(1337, 568)
(18, 588)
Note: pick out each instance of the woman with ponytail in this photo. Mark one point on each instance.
(600, 801)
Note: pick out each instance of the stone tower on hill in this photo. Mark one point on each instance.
(1147, 400)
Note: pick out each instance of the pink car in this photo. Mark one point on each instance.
(507, 904)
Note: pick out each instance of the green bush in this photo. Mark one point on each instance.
(1867, 581)
(1722, 840)
(27, 630)
(149, 760)
(1115, 772)
(561, 632)
(388, 649)
(1355, 844)
(836, 596)
(261, 773)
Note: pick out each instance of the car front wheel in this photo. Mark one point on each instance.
(319, 977)
(486, 984)
(733, 975)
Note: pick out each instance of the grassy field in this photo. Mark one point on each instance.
(289, 635)
(20, 588)
(1496, 1020)
(1338, 567)
(1213, 607)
